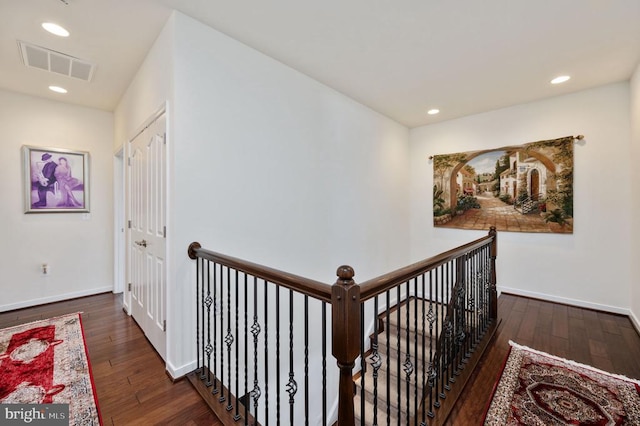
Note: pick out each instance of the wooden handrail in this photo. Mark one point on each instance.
(313, 288)
(346, 298)
(379, 285)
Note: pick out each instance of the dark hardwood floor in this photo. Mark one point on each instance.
(130, 378)
(605, 341)
(133, 388)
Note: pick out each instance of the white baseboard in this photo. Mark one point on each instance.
(56, 298)
(178, 372)
(567, 301)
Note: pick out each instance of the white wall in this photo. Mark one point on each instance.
(635, 198)
(267, 165)
(273, 167)
(79, 251)
(589, 268)
(151, 87)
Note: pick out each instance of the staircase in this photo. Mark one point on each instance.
(397, 393)
(528, 205)
(416, 356)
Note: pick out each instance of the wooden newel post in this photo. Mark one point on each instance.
(345, 310)
(493, 293)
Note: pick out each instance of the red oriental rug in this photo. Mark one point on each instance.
(46, 362)
(541, 389)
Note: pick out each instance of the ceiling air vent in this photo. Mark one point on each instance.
(49, 60)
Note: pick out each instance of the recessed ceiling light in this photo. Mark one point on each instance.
(55, 29)
(433, 111)
(560, 79)
(57, 89)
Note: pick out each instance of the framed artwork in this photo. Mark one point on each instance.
(55, 180)
(520, 188)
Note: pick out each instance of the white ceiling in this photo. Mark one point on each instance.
(399, 57)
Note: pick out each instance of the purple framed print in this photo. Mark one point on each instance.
(55, 180)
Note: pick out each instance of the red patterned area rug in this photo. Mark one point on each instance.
(541, 389)
(46, 362)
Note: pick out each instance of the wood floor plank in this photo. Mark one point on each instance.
(133, 388)
(617, 353)
(131, 383)
(560, 322)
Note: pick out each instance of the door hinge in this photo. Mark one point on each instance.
(164, 138)
(164, 325)
(129, 286)
(164, 232)
(129, 161)
(129, 224)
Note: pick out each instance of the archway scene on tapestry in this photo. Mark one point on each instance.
(521, 188)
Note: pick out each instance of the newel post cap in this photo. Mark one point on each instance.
(193, 247)
(345, 274)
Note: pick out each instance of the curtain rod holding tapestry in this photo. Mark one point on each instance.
(518, 188)
(577, 137)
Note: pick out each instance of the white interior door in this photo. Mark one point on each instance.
(147, 231)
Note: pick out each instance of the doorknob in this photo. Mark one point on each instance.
(142, 243)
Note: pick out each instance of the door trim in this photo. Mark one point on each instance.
(119, 214)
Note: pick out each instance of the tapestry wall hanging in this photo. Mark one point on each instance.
(55, 180)
(522, 188)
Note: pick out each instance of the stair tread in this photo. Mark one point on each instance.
(381, 413)
(393, 354)
(438, 309)
(393, 390)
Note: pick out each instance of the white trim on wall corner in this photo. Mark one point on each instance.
(178, 372)
(567, 301)
(56, 298)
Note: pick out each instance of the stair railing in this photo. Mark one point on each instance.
(445, 312)
(255, 353)
(252, 331)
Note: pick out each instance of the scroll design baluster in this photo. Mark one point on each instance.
(443, 323)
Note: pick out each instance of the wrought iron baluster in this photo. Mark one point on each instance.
(460, 316)
(306, 360)
(237, 416)
(408, 364)
(246, 349)
(222, 397)
(441, 356)
(388, 357)
(266, 352)
(376, 362)
(292, 386)
(432, 317)
(362, 368)
(228, 340)
(208, 302)
(449, 327)
(415, 349)
(255, 331)
(398, 354)
(277, 293)
(473, 301)
(202, 304)
(487, 286)
(424, 358)
(216, 308)
(198, 358)
(324, 363)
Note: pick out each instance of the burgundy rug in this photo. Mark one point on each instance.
(46, 362)
(541, 389)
